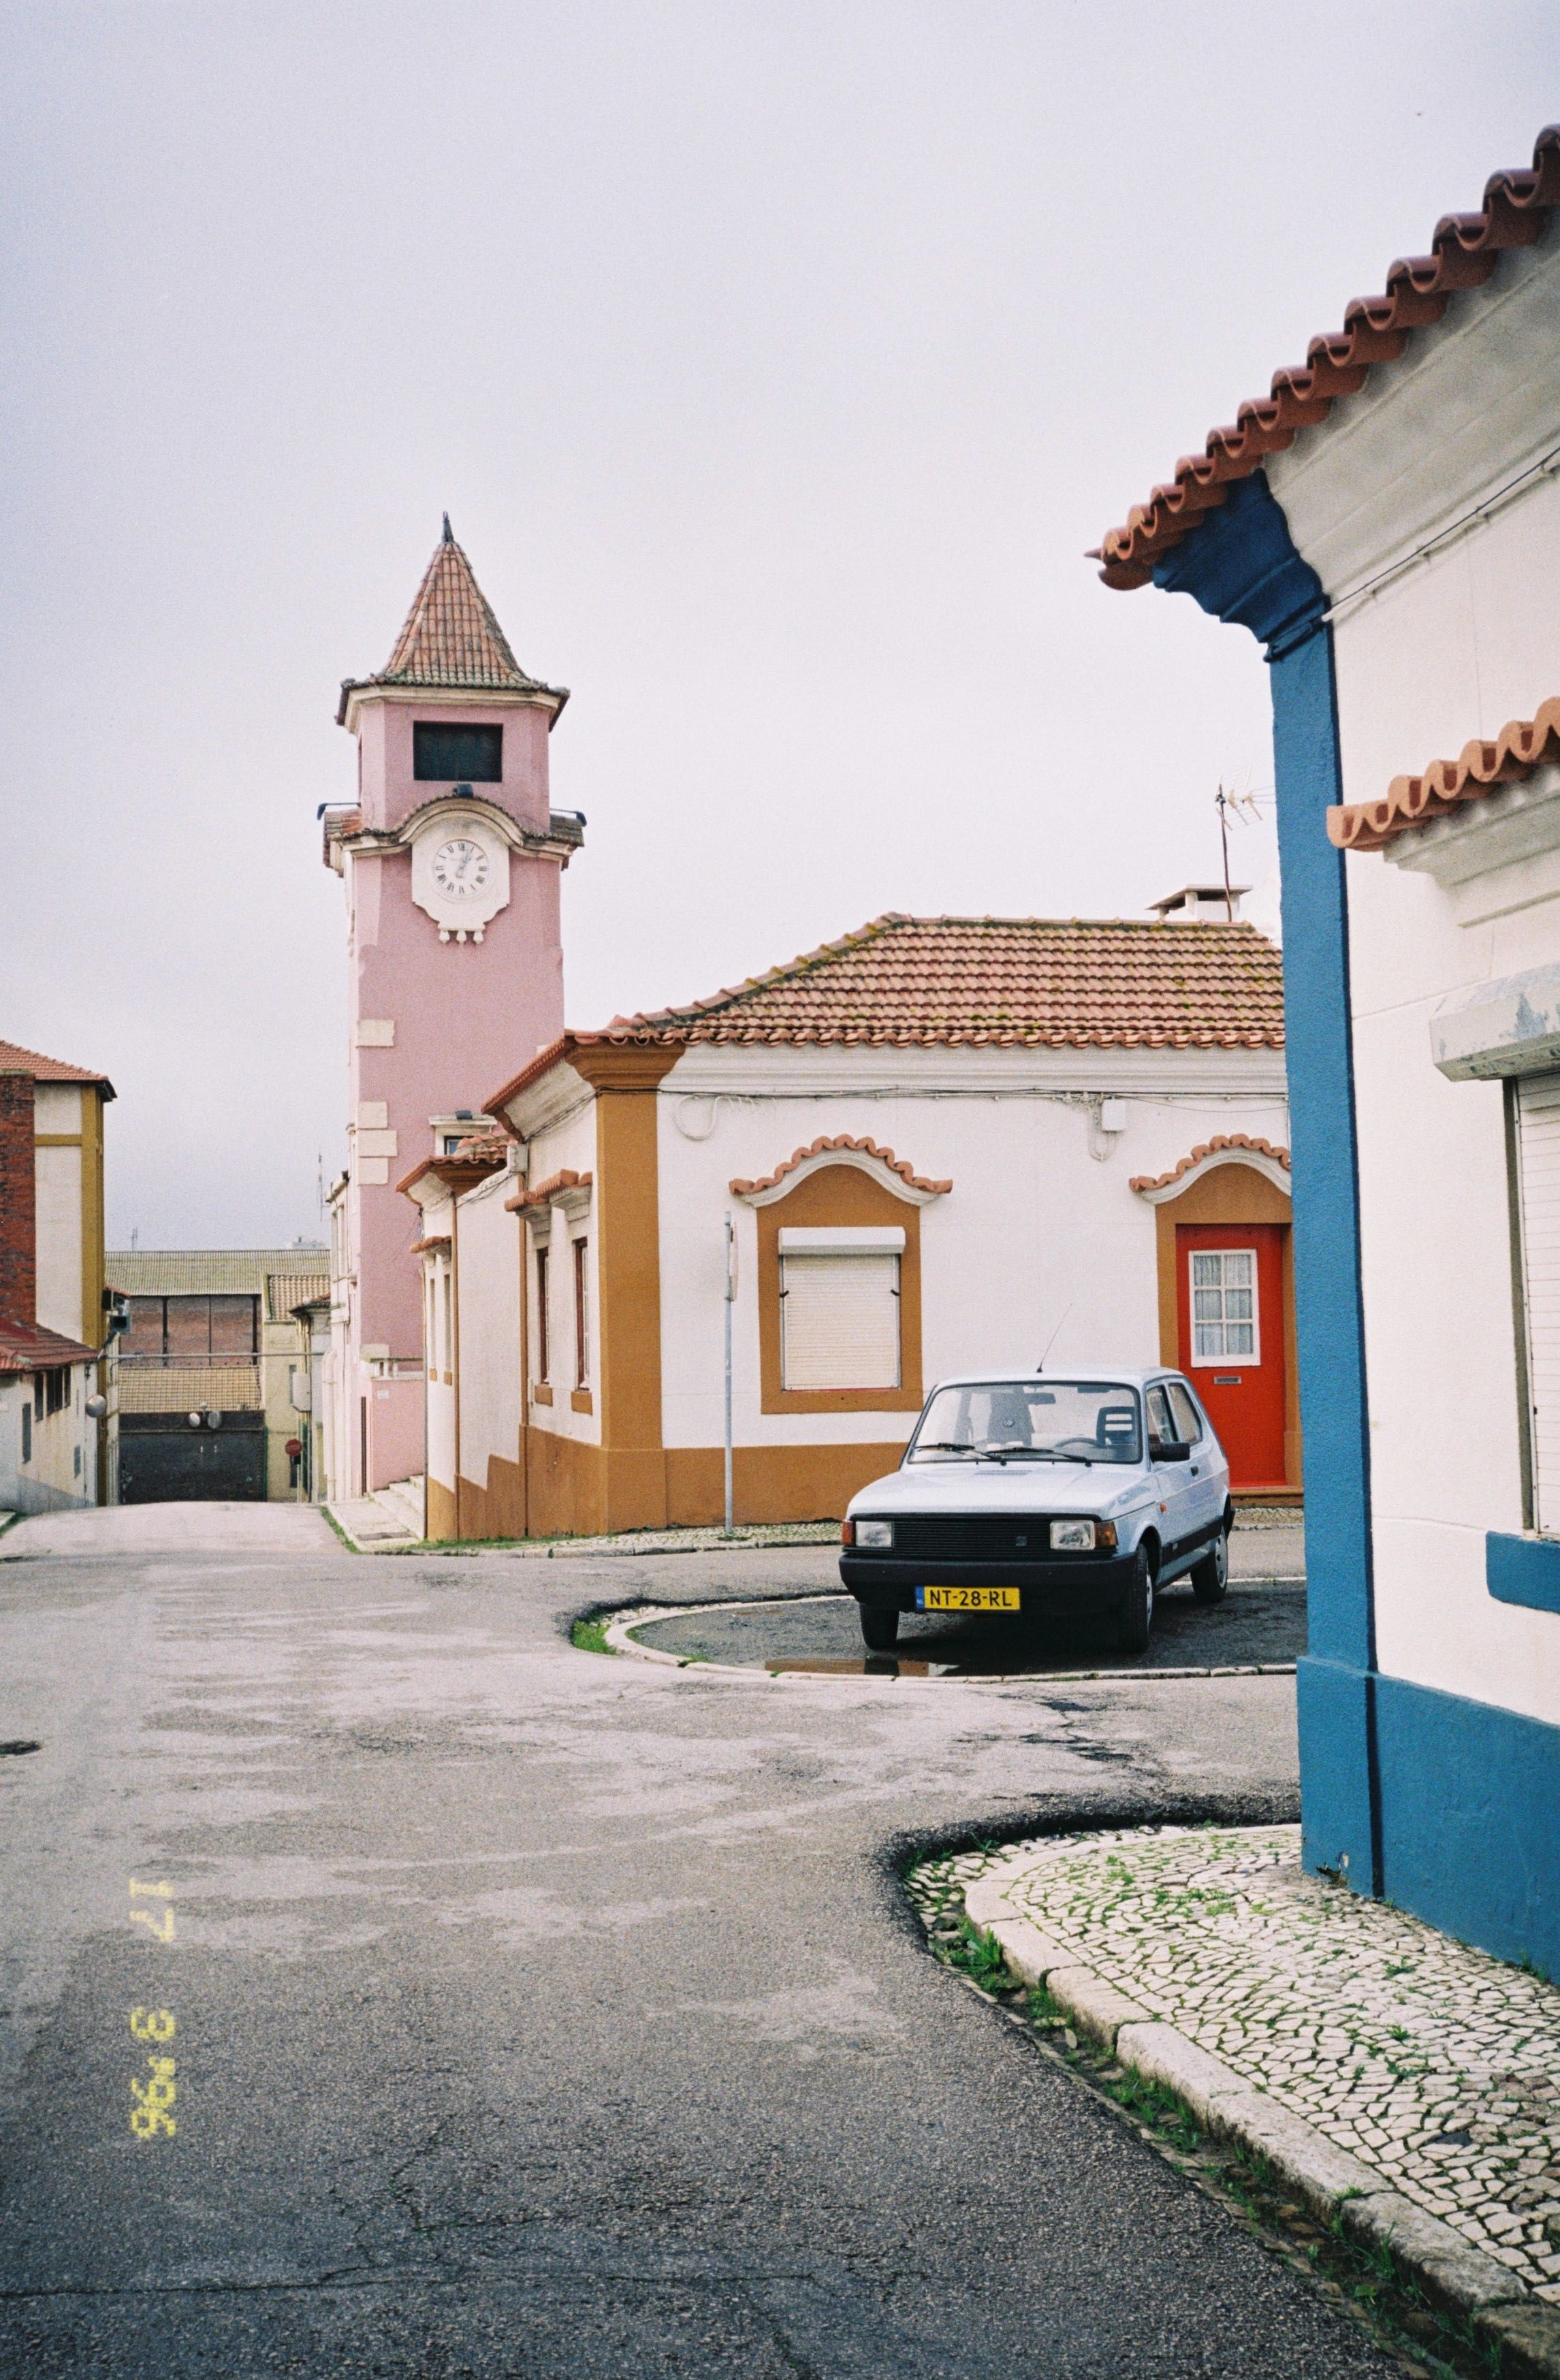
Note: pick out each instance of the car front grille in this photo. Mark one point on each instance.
(960, 1537)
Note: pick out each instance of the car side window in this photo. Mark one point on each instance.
(1188, 1421)
(1160, 1423)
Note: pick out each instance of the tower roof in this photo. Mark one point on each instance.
(451, 641)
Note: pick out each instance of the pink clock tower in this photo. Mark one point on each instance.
(451, 856)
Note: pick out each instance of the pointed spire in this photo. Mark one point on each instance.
(451, 639)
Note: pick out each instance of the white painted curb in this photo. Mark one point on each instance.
(1457, 2277)
(620, 1636)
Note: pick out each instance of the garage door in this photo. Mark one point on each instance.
(164, 1461)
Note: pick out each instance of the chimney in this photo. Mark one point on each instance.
(1201, 904)
(19, 1203)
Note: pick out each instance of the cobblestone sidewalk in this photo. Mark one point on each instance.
(1431, 2063)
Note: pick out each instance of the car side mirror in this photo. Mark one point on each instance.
(1169, 1449)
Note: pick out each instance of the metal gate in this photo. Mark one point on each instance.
(164, 1459)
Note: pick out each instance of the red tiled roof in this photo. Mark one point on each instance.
(14, 1060)
(451, 637)
(25, 1347)
(821, 1147)
(1221, 1141)
(984, 983)
(1464, 249)
(461, 1167)
(1480, 769)
(1084, 982)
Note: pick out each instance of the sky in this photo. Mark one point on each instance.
(778, 365)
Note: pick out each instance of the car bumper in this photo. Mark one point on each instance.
(1050, 1590)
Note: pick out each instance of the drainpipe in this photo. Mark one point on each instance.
(730, 1300)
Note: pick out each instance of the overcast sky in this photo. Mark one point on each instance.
(777, 364)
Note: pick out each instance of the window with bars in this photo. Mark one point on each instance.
(1224, 1306)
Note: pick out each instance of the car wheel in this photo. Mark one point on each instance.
(1134, 1616)
(880, 1629)
(1210, 1578)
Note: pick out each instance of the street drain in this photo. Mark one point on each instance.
(19, 1743)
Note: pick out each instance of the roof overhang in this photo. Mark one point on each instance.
(356, 692)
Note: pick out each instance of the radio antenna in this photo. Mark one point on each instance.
(1056, 1334)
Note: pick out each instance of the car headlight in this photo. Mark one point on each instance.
(876, 1534)
(1072, 1536)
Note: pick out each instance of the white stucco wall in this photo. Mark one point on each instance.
(59, 1239)
(1449, 648)
(488, 1282)
(567, 1145)
(1032, 1225)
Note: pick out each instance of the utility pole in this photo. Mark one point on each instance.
(730, 1302)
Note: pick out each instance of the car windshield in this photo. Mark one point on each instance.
(1040, 1421)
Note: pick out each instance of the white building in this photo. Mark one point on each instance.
(941, 1142)
(57, 1437)
(1388, 522)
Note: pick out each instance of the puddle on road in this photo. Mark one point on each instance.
(1258, 1625)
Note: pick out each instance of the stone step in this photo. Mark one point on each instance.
(403, 1500)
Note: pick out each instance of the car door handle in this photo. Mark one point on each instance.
(1194, 1471)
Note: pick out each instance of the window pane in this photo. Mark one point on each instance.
(1210, 1341)
(1160, 1423)
(454, 755)
(1207, 1305)
(1240, 1339)
(1238, 1268)
(1238, 1305)
(1205, 1272)
(1187, 1426)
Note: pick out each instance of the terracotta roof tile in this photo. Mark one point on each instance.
(1110, 982)
(14, 1060)
(1221, 1141)
(1464, 251)
(27, 1347)
(451, 637)
(1479, 769)
(983, 982)
(821, 1147)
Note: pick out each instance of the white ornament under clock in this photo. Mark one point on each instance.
(460, 877)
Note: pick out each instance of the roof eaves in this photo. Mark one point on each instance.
(1464, 251)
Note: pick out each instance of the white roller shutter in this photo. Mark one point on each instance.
(840, 1321)
(1538, 1111)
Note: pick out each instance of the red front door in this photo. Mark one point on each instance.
(1229, 1302)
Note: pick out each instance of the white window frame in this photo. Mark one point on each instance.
(1209, 1362)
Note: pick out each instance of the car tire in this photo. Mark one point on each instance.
(1209, 1577)
(880, 1629)
(1134, 1618)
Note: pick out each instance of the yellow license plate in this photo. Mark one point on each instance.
(967, 1599)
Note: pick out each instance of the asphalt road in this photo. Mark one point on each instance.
(546, 2014)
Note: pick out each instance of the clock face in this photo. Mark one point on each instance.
(460, 868)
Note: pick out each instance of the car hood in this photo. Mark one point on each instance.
(959, 1487)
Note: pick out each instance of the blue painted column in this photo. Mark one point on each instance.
(1242, 566)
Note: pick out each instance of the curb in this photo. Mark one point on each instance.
(1458, 2279)
(620, 1636)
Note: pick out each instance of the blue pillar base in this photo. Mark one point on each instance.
(1334, 1705)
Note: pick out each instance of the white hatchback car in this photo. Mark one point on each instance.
(1071, 1497)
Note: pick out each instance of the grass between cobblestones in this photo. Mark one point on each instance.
(1365, 2283)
